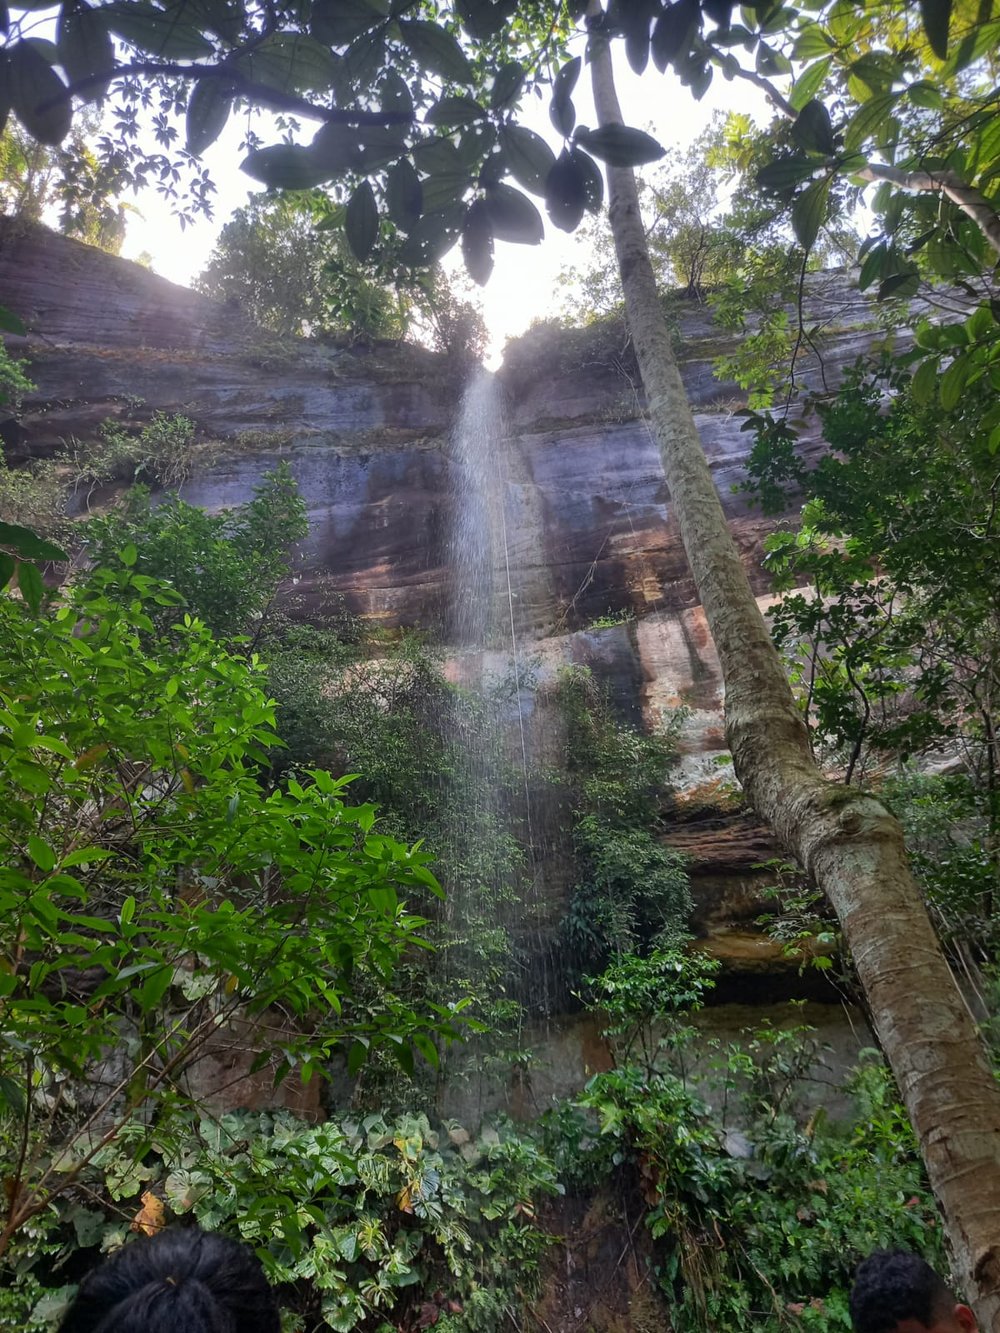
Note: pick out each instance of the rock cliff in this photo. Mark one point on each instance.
(598, 574)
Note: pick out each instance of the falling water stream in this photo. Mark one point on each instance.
(491, 745)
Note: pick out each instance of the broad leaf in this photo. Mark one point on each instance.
(37, 94)
(432, 237)
(566, 190)
(528, 157)
(28, 545)
(290, 62)
(454, 111)
(674, 32)
(335, 149)
(869, 118)
(436, 50)
(85, 47)
(513, 216)
(477, 242)
(813, 131)
(29, 580)
(361, 221)
(10, 323)
(404, 195)
(286, 166)
(936, 17)
(506, 85)
(620, 145)
(809, 212)
(809, 82)
(208, 110)
(780, 177)
(156, 31)
(339, 22)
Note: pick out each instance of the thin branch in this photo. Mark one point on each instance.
(971, 201)
(241, 86)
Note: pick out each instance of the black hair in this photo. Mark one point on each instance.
(183, 1280)
(892, 1285)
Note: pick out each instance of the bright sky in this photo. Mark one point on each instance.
(523, 286)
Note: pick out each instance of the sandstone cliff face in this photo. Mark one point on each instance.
(598, 574)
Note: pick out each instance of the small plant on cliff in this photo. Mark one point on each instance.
(630, 891)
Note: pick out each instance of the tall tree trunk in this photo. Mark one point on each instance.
(846, 840)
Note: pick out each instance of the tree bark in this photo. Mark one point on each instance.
(845, 839)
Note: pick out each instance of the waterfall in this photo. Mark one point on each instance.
(491, 902)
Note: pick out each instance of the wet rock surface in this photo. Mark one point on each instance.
(598, 575)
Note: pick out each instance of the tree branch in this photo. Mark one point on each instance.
(260, 93)
(971, 201)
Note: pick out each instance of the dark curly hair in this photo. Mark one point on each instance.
(892, 1285)
(183, 1280)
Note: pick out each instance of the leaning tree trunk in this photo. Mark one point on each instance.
(846, 840)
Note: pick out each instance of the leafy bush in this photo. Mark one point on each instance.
(151, 891)
(359, 1221)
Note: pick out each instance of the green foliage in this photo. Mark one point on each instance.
(630, 890)
(152, 891)
(225, 566)
(758, 1214)
(357, 1220)
(277, 262)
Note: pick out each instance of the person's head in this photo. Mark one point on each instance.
(183, 1280)
(897, 1292)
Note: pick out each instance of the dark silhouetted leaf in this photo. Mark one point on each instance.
(207, 113)
(438, 156)
(899, 284)
(28, 545)
(85, 47)
(620, 145)
(454, 111)
(7, 566)
(444, 188)
(809, 212)
(809, 82)
(528, 157)
(780, 177)
(432, 237)
(869, 118)
(506, 85)
(813, 131)
(335, 149)
(288, 167)
(361, 221)
(37, 94)
(936, 17)
(436, 49)
(396, 96)
(513, 216)
(290, 62)
(477, 242)
(156, 31)
(566, 191)
(674, 32)
(338, 22)
(404, 195)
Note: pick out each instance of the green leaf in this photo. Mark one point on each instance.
(454, 111)
(936, 17)
(444, 188)
(566, 78)
(563, 116)
(85, 46)
(403, 1053)
(809, 82)
(339, 22)
(811, 42)
(620, 145)
(813, 131)
(432, 237)
(361, 221)
(37, 95)
(438, 157)
(286, 166)
(208, 110)
(335, 149)
(868, 119)
(156, 31)
(356, 1057)
(436, 50)
(27, 544)
(127, 911)
(528, 157)
(953, 382)
(513, 216)
(29, 580)
(404, 195)
(900, 285)
(41, 853)
(396, 96)
(925, 94)
(477, 242)
(924, 383)
(782, 176)
(7, 566)
(506, 85)
(290, 62)
(809, 212)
